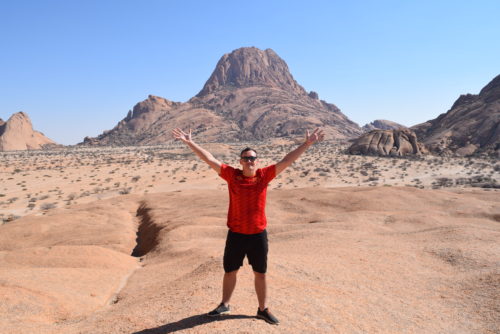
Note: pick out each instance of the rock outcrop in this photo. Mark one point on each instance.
(251, 95)
(382, 124)
(387, 143)
(18, 134)
(471, 126)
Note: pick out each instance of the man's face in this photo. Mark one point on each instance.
(249, 159)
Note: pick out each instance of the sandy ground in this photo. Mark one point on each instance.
(343, 258)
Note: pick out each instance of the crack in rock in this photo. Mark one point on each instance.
(147, 233)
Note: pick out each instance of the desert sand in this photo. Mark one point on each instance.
(130, 240)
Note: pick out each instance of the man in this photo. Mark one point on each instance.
(246, 219)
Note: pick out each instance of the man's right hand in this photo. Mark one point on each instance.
(181, 135)
(198, 150)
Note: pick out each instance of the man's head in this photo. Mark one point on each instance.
(248, 159)
(248, 149)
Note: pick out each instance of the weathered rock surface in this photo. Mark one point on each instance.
(18, 134)
(251, 95)
(471, 126)
(387, 143)
(382, 124)
(313, 95)
(405, 260)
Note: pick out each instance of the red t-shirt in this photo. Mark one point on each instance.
(247, 198)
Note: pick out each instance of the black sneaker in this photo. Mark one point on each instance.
(220, 310)
(267, 316)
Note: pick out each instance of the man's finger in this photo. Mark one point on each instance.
(178, 133)
(321, 135)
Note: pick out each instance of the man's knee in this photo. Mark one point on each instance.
(232, 273)
(258, 275)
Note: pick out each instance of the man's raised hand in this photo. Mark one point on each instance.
(181, 135)
(317, 135)
(197, 149)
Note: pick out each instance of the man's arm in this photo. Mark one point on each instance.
(316, 136)
(200, 152)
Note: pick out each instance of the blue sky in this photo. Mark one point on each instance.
(77, 67)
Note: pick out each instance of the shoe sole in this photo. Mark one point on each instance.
(218, 315)
(267, 320)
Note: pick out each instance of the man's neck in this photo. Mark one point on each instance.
(249, 173)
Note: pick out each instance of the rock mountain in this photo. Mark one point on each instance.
(471, 126)
(250, 95)
(18, 134)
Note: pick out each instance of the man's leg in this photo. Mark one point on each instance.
(257, 256)
(234, 253)
(261, 289)
(228, 284)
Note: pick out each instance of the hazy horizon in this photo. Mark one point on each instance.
(77, 68)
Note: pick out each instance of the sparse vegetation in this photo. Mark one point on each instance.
(85, 174)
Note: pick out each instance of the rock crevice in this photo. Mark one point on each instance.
(147, 233)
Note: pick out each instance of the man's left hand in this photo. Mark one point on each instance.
(317, 135)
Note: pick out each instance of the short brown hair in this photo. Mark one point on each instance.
(246, 150)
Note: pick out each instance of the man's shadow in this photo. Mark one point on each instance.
(191, 322)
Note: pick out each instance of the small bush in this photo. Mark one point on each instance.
(47, 206)
(125, 191)
(12, 199)
(10, 218)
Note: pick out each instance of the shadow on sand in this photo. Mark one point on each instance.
(190, 322)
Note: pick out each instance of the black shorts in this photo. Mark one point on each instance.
(254, 246)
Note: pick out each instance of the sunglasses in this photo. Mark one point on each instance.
(249, 158)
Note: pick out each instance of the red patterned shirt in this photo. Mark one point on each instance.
(247, 198)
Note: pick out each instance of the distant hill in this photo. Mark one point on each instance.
(382, 124)
(471, 126)
(18, 134)
(250, 95)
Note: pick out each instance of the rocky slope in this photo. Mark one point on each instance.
(471, 126)
(18, 134)
(251, 95)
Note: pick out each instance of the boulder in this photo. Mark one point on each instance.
(387, 143)
(18, 134)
